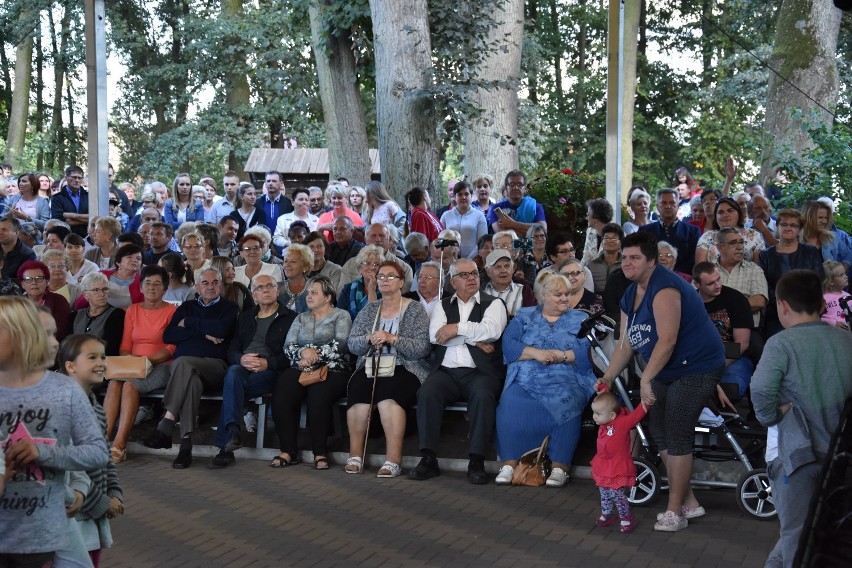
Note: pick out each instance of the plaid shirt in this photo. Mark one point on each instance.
(747, 278)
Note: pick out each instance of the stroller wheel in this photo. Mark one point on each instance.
(647, 487)
(754, 495)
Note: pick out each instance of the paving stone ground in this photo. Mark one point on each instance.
(253, 515)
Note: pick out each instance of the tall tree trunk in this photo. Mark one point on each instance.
(346, 131)
(491, 143)
(56, 135)
(39, 115)
(237, 93)
(804, 52)
(408, 141)
(70, 146)
(21, 94)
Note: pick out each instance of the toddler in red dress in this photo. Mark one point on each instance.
(612, 466)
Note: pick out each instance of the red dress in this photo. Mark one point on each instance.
(613, 465)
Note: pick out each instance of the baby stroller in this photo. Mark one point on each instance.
(717, 436)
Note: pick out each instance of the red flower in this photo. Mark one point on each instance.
(568, 172)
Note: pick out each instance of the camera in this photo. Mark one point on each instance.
(847, 312)
(522, 244)
(444, 243)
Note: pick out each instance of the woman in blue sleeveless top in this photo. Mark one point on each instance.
(663, 320)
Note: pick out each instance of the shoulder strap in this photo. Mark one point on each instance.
(376, 320)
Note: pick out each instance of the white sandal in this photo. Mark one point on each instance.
(389, 469)
(354, 465)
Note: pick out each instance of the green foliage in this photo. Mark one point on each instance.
(824, 170)
(563, 196)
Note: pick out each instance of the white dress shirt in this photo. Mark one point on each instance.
(489, 330)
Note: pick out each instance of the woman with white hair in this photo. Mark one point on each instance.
(364, 289)
(99, 318)
(58, 263)
(667, 258)
(298, 262)
(549, 380)
(640, 205)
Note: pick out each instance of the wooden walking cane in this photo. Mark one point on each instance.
(375, 355)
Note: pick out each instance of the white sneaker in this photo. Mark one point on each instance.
(558, 477)
(250, 420)
(505, 476)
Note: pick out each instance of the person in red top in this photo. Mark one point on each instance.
(612, 466)
(420, 218)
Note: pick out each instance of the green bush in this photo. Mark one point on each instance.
(823, 170)
(563, 194)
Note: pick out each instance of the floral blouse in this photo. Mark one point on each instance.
(328, 336)
(753, 244)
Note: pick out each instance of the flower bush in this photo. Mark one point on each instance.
(563, 194)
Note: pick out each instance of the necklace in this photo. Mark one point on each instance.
(293, 297)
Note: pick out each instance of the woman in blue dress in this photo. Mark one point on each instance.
(549, 380)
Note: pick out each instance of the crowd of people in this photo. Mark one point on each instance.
(323, 294)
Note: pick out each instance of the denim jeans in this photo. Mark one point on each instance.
(240, 384)
(739, 373)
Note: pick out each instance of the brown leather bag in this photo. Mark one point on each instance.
(534, 467)
(126, 367)
(312, 375)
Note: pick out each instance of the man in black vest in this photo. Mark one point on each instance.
(466, 330)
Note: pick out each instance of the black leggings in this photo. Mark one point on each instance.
(287, 396)
(675, 413)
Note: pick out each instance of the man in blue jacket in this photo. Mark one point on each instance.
(682, 236)
(256, 355)
(201, 329)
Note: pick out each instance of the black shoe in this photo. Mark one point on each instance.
(184, 457)
(234, 444)
(158, 441)
(426, 469)
(222, 459)
(476, 472)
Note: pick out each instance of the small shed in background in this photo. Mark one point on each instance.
(300, 167)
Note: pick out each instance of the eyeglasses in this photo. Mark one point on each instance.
(564, 251)
(56, 266)
(262, 287)
(468, 275)
(503, 247)
(788, 226)
(250, 249)
(191, 247)
(665, 255)
(371, 264)
(574, 273)
(389, 277)
(735, 242)
(611, 239)
(36, 279)
(427, 278)
(516, 185)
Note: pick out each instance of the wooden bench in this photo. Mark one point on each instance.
(263, 401)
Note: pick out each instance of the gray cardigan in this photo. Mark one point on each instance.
(412, 345)
(810, 365)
